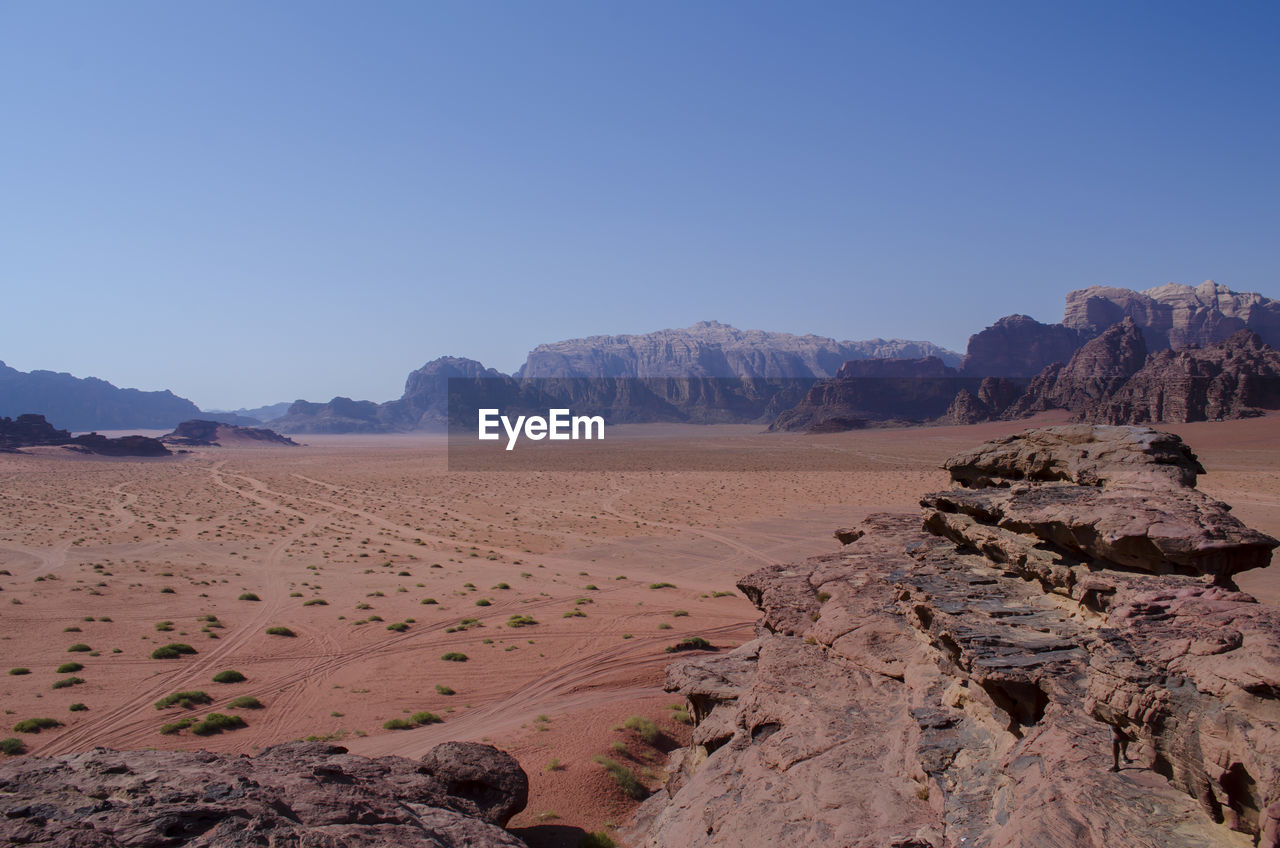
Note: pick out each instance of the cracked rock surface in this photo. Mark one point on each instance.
(297, 794)
(960, 681)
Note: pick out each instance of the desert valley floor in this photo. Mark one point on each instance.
(380, 562)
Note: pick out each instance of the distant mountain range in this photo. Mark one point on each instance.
(720, 373)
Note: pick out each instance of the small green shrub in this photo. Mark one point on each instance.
(598, 839)
(12, 746)
(35, 725)
(484, 602)
(172, 651)
(663, 585)
(186, 700)
(425, 717)
(280, 631)
(248, 596)
(397, 724)
(77, 708)
(229, 676)
(216, 723)
(679, 613)
(430, 601)
(177, 726)
(521, 621)
(444, 690)
(574, 613)
(16, 672)
(316, 602)
(690, 643)
(164, 626)
(454, 656)
(79, 648)
(67, 668)
(66, 681)
(398, 627)
(624, 777)
(245, 702)
(644, 727)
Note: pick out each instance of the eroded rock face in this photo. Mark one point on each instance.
(294, 794)
(963, 684)
(1019, 346)
(1176, 316)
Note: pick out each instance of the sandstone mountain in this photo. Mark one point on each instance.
(460, 795)
(89, 403)
(1176, 316)
(1059, 657)
(712, 349)
(1112, 380)
(1170, 316)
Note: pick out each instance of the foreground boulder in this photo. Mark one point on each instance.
(981, 684)
(293, 794)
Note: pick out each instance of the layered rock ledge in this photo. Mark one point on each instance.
(459, 794)
(981, 677)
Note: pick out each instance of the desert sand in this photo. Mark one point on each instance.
(380, 562)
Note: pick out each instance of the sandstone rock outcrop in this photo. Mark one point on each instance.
(198, 433)
(974, 684)
(292, 794)
(30, 430)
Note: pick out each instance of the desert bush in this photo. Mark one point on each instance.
(397, 724)
(430, 601)
(521, 621)
(248, 596)
(690, 643)
(229, 676)
(216, 723)
(624, 777)
(444, 690)
(280, 631)
(66, 681)
(177, 726)
(398, 627)
(77, 708)
(164, 626)
(316, 602)
(484, 602)
(425, 717)
(454, 656)
(663, 585)
(598, 839)
(245, 702)
(574, 613)
(186, 700)
(172, 651)
(644, 727)
(35, 725)
(79, 648)
(12, 746)
(17, 672)
(679, 613)
(67, 668)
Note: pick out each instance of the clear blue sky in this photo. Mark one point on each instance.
(249, 202)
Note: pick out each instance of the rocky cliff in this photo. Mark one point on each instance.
(1053, 655)
(1112, 380)
(459, 795)
(1176, 316)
